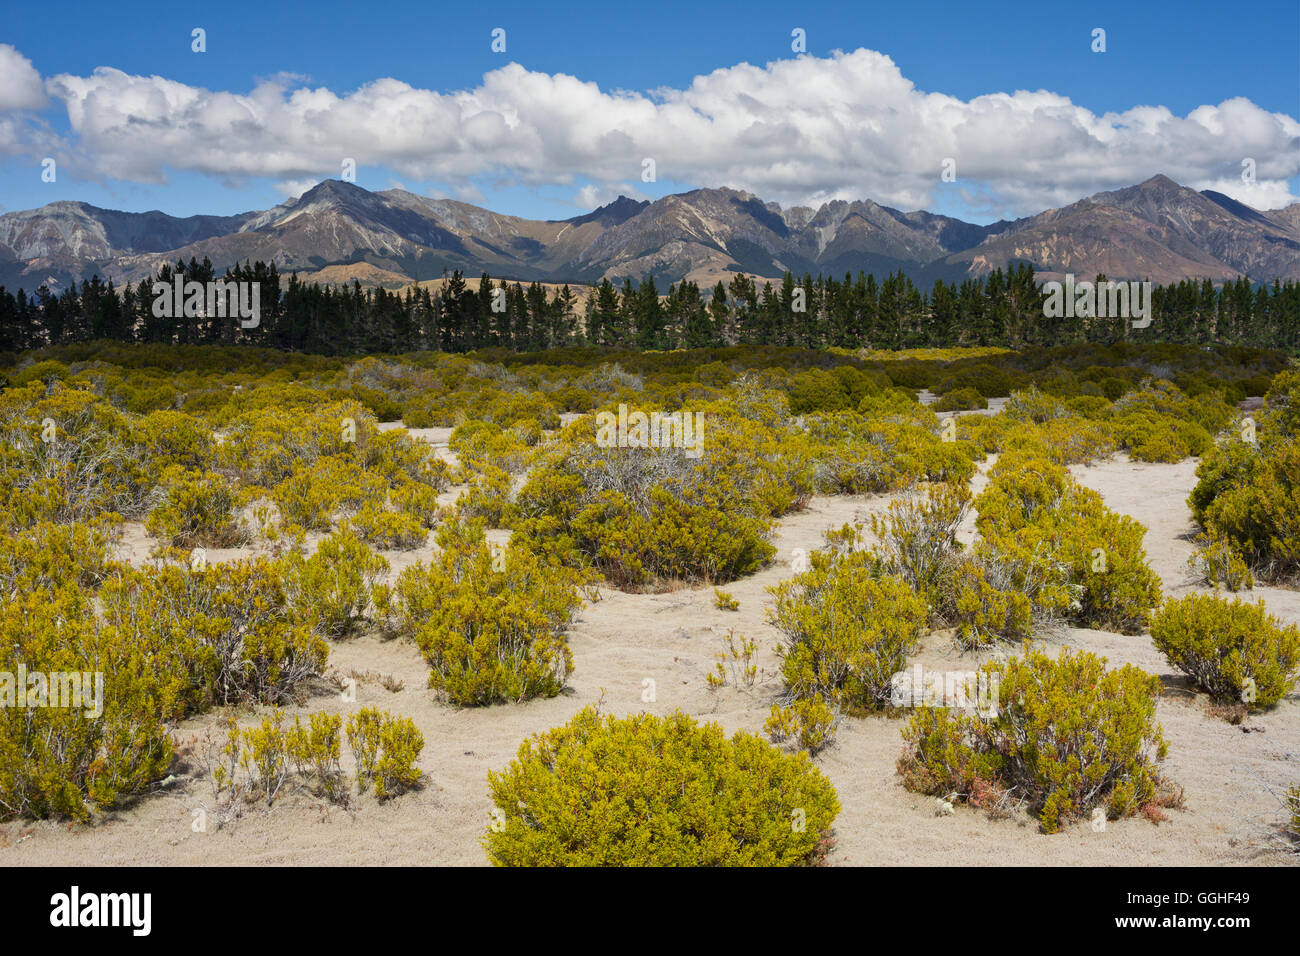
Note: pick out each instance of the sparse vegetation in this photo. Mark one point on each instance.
(206, 527)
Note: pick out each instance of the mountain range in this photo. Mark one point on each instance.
(338, 231)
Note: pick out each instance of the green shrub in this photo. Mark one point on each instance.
(50, 557)
(389, 530)
(647, 517)
(265, 756)
(885, 447)
(723, 601)
(1068, 736)
(67, 760)
(1034, 406)
(1075, 556)
(479, 443)
(961, 400)
(400, 744)
(196, 509)
(171, 438)
(332, 587)
(651, 791)
(488, 497)
(807, 724)
(1249, 491)
(230, 632)
(385, 749)
(363, 730)
(918, 536)
(1218, 563)
(1234, 651)
(315, 751)
(66, 455)
(1158, 422)
(985, 613)
(847, 630)
(492, 630)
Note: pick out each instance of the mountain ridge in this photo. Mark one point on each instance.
(1156, 229)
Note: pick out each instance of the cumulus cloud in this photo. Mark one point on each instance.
(803, 130)
(592, 195)
(293, 188)
(20, 83)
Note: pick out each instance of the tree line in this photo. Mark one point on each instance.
(1004, 308)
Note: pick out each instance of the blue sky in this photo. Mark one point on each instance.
(1177, 55)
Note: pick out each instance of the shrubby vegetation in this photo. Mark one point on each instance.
(1068, 736)
(643, 517)
(332, 587)
(960, 400)
(282, 453)
(1248, 491)
(490, 624)
(255, 763)
(651, 791)
(1056, 542)
(1219, 563)
(848, 626)
(1233, 651)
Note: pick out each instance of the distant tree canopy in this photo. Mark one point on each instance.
(1002, 309)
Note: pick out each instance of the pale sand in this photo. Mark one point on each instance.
(625, 639)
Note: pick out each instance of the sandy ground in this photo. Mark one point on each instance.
(624, 641)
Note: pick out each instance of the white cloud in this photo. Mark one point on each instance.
(804, 130)
(293, 188)
(592, 195)
(20, 83)
(1261, 194)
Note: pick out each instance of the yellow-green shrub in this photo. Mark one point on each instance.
(885, 448)
(49, 557)
(488, 497)
(1232, 650)
(385, 749)
(315, 751)
(1068, 736)
(984, 613)
(961, 400)
(1219, 563)
(918, 536)
(66, 455)
(491, 629)
(1034, 516)
(230, 631)
(644, 517)
(389, 530)
(1249, 491)
(332, 587)
(807, 723)
(848, 628)
(400, 744)
(170, 438)
(196, 508)
(651, 791)
(68, 761)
